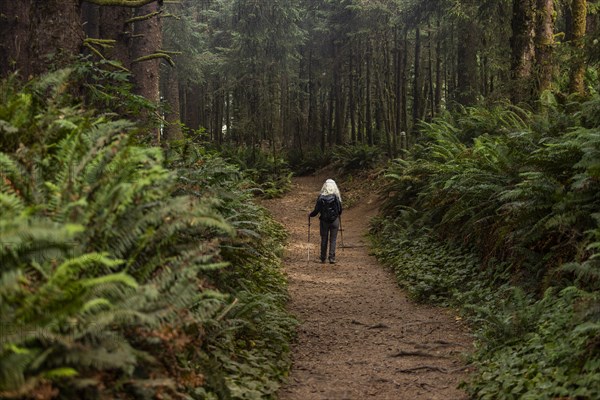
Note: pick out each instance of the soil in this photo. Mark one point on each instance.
(360, 337)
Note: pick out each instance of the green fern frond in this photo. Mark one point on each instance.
(587, 273)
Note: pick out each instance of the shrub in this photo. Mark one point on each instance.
(497, 213)
(351, 158)
(125, 271)
(270, 172)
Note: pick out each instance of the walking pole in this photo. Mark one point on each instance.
(308, 246)
(342, 232)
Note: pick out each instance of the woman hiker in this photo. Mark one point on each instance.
(329, 205)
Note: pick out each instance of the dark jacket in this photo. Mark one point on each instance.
(319, 204)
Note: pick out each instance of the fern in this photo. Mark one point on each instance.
(520, 192)
(119, 257)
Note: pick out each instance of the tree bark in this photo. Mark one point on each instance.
(430, 71)
(191, 109)
(579, 17)
(38, 35)
(339, 101)
(544, 43)
(416, 110)
(14, 24)
(368, 113)
(404, 84)
(351, 99)
(172, 130)
(146, 40)
(90, 17)
(113, 26)
(523, 49)
(312, 117)
(438, 70)
(467, 62)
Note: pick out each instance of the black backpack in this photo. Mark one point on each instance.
(329, 208)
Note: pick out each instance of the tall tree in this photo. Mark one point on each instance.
(523, 49)
(578, 26)
(417, 80)
(544, 43)
(37, 34)
(146, 50)
(467, 68)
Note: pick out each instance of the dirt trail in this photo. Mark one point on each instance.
(360, 337)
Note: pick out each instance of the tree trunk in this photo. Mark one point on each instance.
(523, 49)
(361, 92)
(545, 43)
(218, 113)
(368, 113)
(467, 68)
(404, 84)
(146, 40)
(579, 15)
(323, 124)
(14, 24)
(172, 130)
(416, 111)
(398, 76)
(228, 114)
(352, 100)
(337, 93)
(113, 26)
(90, 17)
(438, 70)
(42, 33)
(430, 70)
(385, 123)
(330, 116)
(313, 115)
(191, 116)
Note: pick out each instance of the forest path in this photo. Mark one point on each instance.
(360, 336)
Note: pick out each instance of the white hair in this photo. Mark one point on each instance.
(330, 187)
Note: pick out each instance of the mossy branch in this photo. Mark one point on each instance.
(121, 3)
(144, 17)
(100, 42)
(155, 56)
(176, 53)
(88, 43)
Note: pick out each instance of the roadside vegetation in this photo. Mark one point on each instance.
(496, 212)
(129, 270)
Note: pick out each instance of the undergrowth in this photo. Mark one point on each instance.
(128, 271)
(358, 157)
(305, 162)
(270, 171)
(496, 213)
(528, 347)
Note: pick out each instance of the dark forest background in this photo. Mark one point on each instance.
(301, 74)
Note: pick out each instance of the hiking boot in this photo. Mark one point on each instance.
(331, 261)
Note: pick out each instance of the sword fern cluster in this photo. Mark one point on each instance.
(513, 198)
(113, 262)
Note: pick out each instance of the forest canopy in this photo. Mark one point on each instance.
(293, 73)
